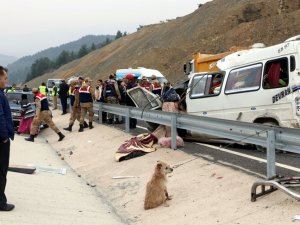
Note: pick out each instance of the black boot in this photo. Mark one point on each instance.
(91, 125)
(85, 125)
(30, 138)
(61, 136)
(81, 128)
(69, 128)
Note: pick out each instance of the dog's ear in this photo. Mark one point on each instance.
(159, 165)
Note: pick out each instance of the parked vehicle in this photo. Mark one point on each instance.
(49, 84)
(14, 99)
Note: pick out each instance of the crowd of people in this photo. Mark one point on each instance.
(82, 96)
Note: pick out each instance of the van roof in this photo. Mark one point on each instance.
(138, 73)
(246, 57)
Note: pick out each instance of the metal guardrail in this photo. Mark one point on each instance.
(270, 137)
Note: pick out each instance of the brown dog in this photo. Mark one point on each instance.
(156, 191)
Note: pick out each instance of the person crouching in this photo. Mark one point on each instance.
(42, 114)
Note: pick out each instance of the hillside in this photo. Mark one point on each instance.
(208, 29)
(19, 69)
(5, 59)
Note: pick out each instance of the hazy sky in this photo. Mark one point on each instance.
(28, 26)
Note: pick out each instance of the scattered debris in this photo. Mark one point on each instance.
(22, 169)
(297, 217)
(71, 153)
(62, 158)
(62, 171)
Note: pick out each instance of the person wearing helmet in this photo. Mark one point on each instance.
(42, 114)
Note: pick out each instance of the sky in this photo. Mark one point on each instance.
(29, 26)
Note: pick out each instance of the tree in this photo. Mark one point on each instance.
(93, 47)
(125, 34)
(82, 51)
(118, 35)
(62, 59)
(73, 56)
(39, 67)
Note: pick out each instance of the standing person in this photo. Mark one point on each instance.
(6, 133)
(42, 114)
(54, 95)
(129, 83)
(63, 95)
(156, 86)
(43, 89)
(145, 84)
(98, 91)
(86, 98)
(75, 104)
(112, 95)
(25, 89)
(100, 97)
(26, 116)
(80, 81)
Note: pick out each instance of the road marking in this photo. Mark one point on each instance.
(250, 157)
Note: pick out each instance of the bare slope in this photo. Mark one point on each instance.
(214, 27)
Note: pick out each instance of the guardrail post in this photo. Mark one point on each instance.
(127, 121)
(271, 169)
(173, 131)
(100, 109)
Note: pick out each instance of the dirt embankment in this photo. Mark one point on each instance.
(212, 28)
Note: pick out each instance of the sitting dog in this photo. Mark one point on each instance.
(156, 190)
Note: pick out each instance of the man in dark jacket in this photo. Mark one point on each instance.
(63, 95)
(6, 133)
